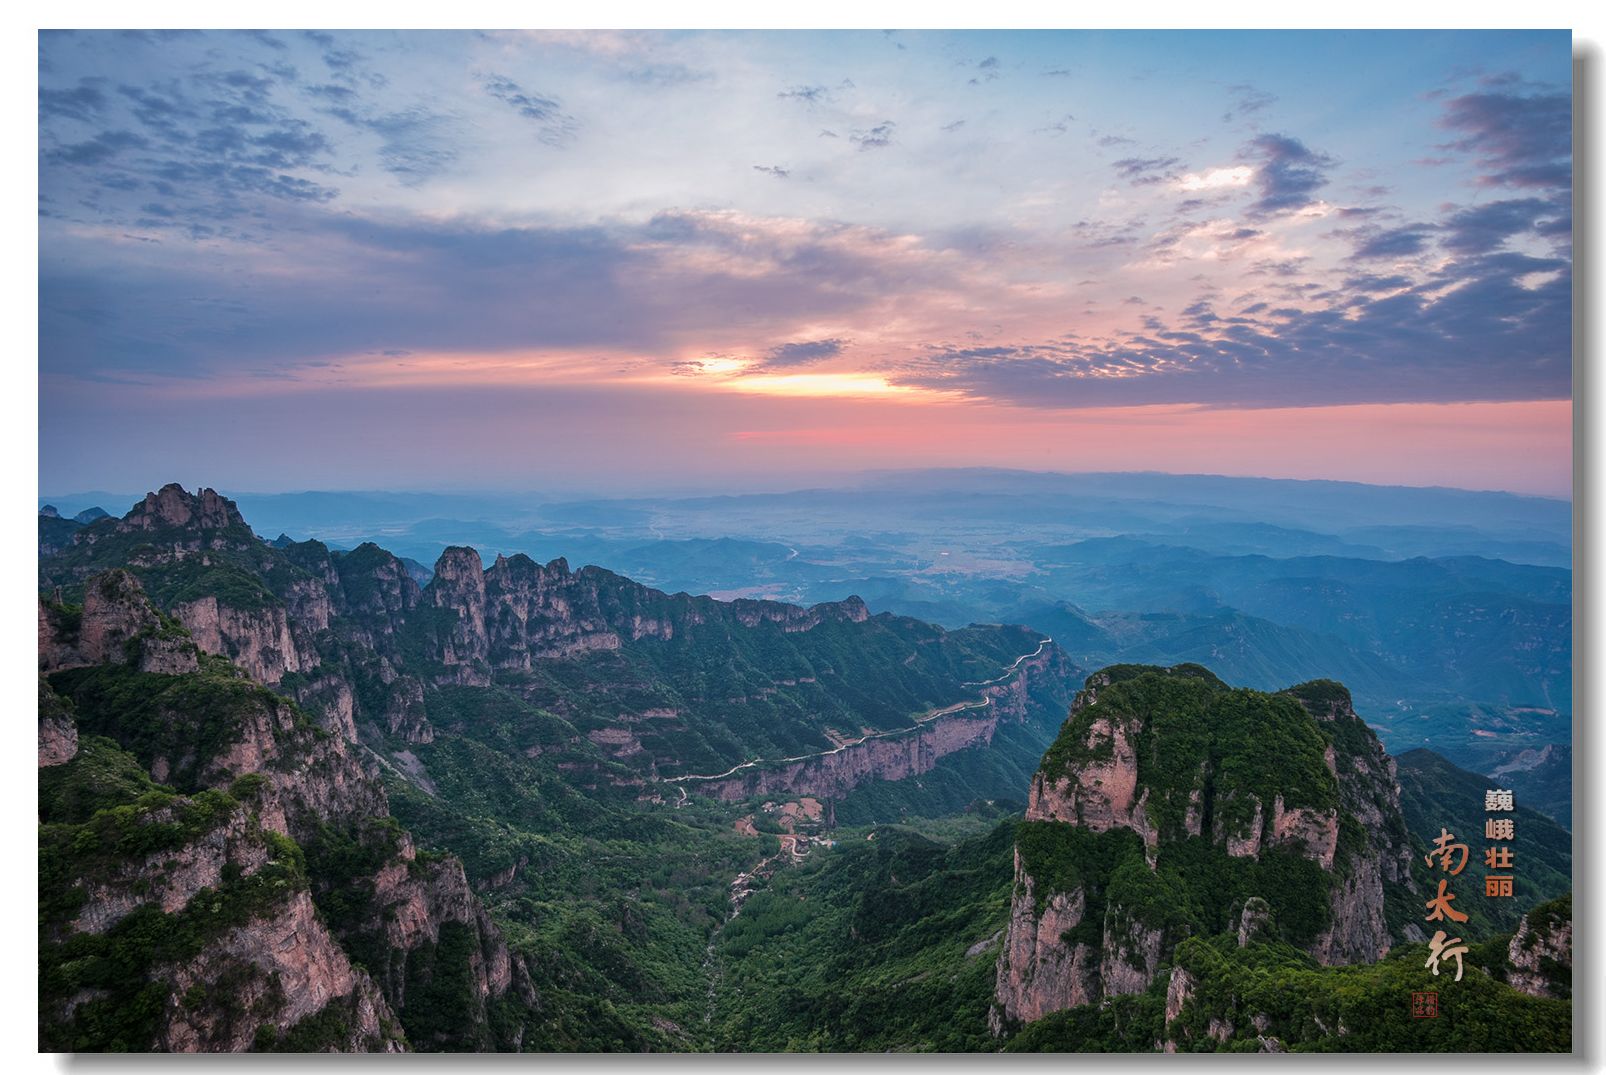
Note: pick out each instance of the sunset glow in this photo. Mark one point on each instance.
(874, 249)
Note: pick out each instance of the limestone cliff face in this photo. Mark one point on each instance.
(540, 612)
(834, 774)
(171, 877)
(58, 732)
(1102, 793)
(259, 640)
(286, 964)
(308, 782)
(458, 590)
(1369, 792)
(414, 903)
(1130, 953)
(517, 612)
(261, 618)
(243, 956)
(895, 755)
(117, 625)
(173, 508)
(1541, 951)
(1172, 755)
(376, 594)
(329, 697)
(315, 778)
(405, 716)
(1038, 972)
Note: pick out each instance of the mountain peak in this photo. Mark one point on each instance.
(175, 507)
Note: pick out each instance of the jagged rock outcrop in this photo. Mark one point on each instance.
(1178, 991)
(1369, 792)
(287, 965)
(517, 612)
(174, 508)
(329, 698)
(259, 640)
(835, 773)
(1541, 951)
(231, 937)
(541, 612)
(1038, 972)
(461, 643)
(1173, 755)
(405, 715)
(414, 903)
(58, 732)
(377, 593)
(370, 658)
(206, 732)
(1130, 953)
(117, 625)
(895, 755)
(1103, 793)
(1254, 923)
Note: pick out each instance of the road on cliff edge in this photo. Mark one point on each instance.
(925, 718)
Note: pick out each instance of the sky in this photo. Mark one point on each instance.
(624, 261)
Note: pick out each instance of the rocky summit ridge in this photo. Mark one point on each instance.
(220, 868)
(1171, 805)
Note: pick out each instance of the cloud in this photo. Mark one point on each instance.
(1246, 101)
(83, 102)
(1487, 227)
(772, 169)
(1140, 171)
(806, 94)
(1473, 331)
(682, 281)
(1287, 173)
(802, 353)
(99, 149)
(1521, 140)
(1393, 243)
(877, 137)
(554, 126)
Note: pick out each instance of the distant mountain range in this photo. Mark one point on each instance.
(291, 798)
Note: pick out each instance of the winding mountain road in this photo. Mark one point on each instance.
(925, 718)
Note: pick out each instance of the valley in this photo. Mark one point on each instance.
(564, 810)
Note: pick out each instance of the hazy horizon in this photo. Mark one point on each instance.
(841, 480)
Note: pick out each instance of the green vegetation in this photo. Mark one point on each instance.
(183, 721)
(1363, 1008)
(101, 776)
(885, 943)
(554, 787)
(120, 980)
(1435, 795)
(1190, 733)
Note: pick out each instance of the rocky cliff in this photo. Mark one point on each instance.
(897, 755)
(1171, 806)
(291, 675)
(185, 923)
(268, 782)
(1541, 951)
